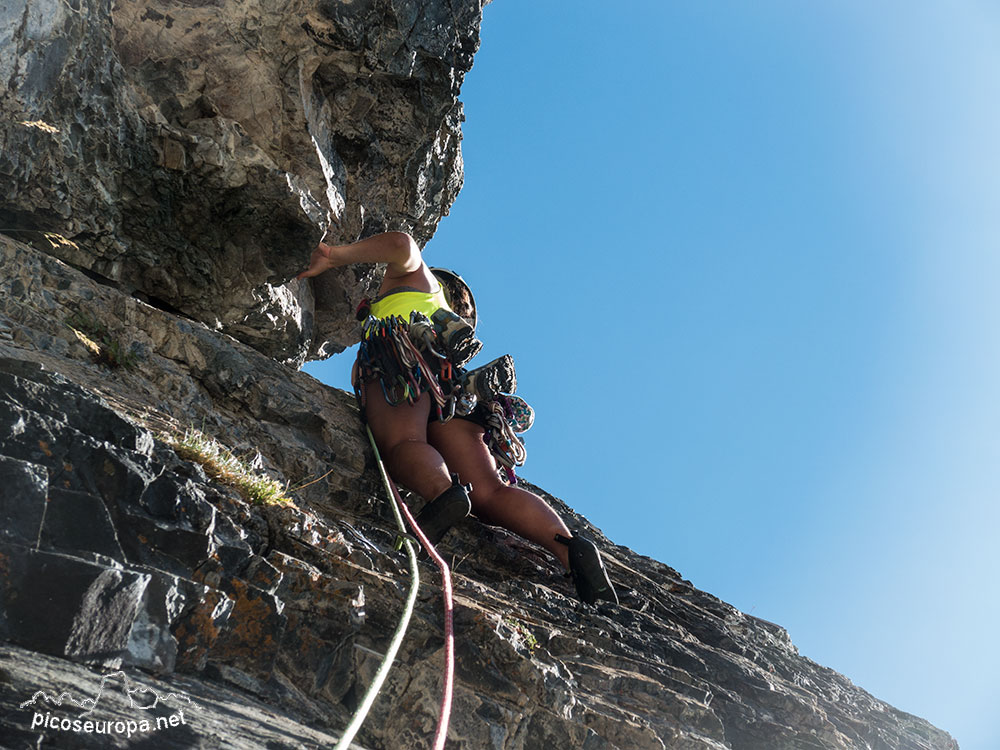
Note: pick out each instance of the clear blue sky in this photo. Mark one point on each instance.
(746, 258)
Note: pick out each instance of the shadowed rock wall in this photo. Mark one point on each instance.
(195, 153)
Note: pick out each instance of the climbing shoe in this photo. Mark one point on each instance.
(587, 570)
(444, 511)
(487, 381)
(422, 333)
(456, 336)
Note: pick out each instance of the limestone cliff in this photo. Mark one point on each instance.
(201, 148)
(166, 168)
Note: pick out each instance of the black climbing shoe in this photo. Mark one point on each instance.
(444, 511)
(457, 336)
(587, 570)
(496, 377)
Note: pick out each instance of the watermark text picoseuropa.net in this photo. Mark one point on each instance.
(126, 727)
(116, 693)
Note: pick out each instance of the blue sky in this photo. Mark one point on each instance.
(745, 256)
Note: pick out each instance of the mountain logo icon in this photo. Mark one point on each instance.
(139, 697)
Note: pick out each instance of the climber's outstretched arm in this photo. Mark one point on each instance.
(397, 249)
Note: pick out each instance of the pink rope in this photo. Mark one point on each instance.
(444, 718)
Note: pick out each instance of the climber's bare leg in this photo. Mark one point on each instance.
(461, 444)
(401, 435)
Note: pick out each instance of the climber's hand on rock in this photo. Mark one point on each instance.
(323, 259)
(397, 250)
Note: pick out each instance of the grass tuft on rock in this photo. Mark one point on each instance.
(223, 465)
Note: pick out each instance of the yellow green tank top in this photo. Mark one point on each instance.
(407, 299)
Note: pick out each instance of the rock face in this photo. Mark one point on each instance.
(166, 169)
(196, 152)
(117, 553)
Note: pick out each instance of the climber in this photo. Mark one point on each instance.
(408, 404)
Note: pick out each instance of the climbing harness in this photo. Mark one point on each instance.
(400, 510)
(410, 358)
(405, 369)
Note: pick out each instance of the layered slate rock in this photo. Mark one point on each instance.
(117, 555)
(195, 153)
(184, 374)
(182, 712)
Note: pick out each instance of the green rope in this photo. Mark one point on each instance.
(397, 638)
